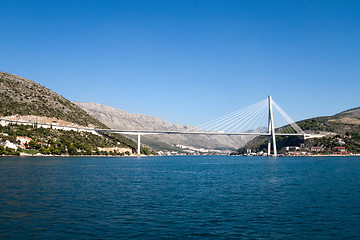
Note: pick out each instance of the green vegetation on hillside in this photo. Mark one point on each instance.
(351, 143)
(260, 143)
(59, 142)
(327, 124)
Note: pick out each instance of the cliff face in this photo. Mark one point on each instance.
(119, 119)
(20, 96)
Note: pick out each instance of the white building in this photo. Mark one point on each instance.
(11, 145)
(23, 140)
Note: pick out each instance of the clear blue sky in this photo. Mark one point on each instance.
(188, 62)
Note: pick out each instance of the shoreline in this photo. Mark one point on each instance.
(65, 156)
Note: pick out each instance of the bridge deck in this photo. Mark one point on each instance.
(149, 132)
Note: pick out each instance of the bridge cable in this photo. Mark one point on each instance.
(223, 118)
(223, 121)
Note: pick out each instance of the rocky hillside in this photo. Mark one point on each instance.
(352, 113)
(341, 123)
(351, 116)
(119, 119)
(20, 96)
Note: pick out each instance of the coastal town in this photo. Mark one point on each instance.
(306, 150)
(294, 151)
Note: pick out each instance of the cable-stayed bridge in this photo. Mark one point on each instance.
(264, 118)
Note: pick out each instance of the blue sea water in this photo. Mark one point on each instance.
(203, 197)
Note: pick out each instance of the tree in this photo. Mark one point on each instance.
(33, 145)
(72, 150)
(44, 151)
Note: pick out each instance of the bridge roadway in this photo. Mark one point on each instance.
(150, 132)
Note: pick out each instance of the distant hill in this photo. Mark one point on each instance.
(344, 125)
(353, 113)
(341, 123)
(119, 119)
(20, 96)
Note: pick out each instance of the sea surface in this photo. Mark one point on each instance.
(200, 197)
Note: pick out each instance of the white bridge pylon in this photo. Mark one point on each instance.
(262, 119)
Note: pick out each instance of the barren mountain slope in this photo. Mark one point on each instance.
(20, 96)
(119, 119)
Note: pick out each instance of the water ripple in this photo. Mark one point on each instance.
(180, 198)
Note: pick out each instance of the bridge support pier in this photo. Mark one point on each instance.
(138, 145)
(271, 130)
(269, 146)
